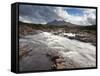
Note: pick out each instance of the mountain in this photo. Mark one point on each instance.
(60, 22)
(68, 24)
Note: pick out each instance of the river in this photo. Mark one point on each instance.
(76, 54)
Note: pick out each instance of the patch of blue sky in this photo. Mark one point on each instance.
(74, 11)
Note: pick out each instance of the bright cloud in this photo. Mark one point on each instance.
(87, 18)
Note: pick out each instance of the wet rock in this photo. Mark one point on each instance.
(24, 51)
(61, 65)
(59, 60)
(55, 58)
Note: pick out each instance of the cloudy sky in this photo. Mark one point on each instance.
(44, 14)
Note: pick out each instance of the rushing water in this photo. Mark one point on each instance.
(76, 54)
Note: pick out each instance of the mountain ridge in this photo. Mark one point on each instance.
(59, 22)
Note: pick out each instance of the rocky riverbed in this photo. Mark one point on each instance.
(85, 37)
(46, 51)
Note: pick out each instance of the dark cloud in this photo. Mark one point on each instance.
(37, 14)
(91, 21)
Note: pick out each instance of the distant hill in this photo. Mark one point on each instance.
(30, 28)
(60, 22)
(64, 23)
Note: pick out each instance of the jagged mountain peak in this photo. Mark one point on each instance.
(59, 22)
